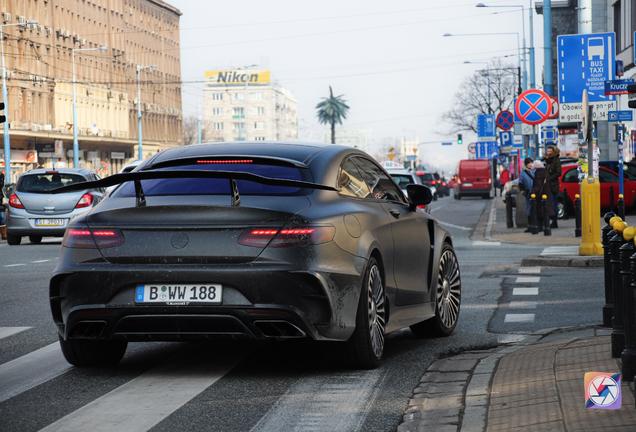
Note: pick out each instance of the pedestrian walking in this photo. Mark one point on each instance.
(504, 177)
(526, 180)
(540, 187)
(553, 168)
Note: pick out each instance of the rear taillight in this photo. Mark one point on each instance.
(86, 238)
(459, 181)
(288, 237)
(421, 206)
(15, 202)
(85, 201)
(489, 181)
(443, 183)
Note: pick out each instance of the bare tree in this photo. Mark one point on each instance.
(487, 91)
(190, 130)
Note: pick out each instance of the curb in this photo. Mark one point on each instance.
(454, 392)
(563, 261)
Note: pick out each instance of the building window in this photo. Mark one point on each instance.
(259, 125)
(238, 113)
(260, 111)
(217, 96)
(217, 111)
(259, 138)
(218, 126)
(239, 126)
(618, 26)
(257, 96)
(238, 96)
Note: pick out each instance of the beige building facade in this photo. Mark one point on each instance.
(39, 56)
(244, 105)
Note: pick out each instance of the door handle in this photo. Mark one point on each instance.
(395, 213)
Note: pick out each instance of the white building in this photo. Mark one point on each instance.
(244, 105)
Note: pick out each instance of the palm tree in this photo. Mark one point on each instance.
(332, 110)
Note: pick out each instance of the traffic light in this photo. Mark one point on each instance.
(3, 118)
(460, 139)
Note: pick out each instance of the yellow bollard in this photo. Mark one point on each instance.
(613, 219)
(629, 233)
(619, 226)
(590, 218)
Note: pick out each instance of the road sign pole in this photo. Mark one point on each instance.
(621, 181)
(547, 43)
(590, 190)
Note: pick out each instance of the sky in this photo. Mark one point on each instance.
(389, 59)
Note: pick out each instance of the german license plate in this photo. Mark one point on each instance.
(49, 222)
(178, 294)
(468, 184)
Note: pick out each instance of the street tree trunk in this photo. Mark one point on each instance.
(333, 132)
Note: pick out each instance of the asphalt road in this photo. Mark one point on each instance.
(234, 386)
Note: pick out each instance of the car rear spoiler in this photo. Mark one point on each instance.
(232, 176)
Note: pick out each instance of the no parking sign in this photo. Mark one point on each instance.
(533, 106)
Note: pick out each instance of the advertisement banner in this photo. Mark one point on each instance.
(237, 77)
(21, 156)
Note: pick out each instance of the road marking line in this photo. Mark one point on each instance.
(560, 250)
(437, 208)
(522, 305)
(529, 270)
(327, 403)
(519, 318)
(30, 370)
(39, 261)
(491, 220)
(14, 265)
(454, 226)
(486, 243)
(527, 279)
(10, 331)
(141, 403)
(510, 338)
(525, 291)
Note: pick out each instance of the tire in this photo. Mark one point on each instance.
(35, 239)
(14, 240)
(435, 197)
(366, 345)
(81, 352)
(561, 210)
(457, 196)
(448, 294)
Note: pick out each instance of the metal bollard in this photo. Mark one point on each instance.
(618, 335)
(625, 252)
(620, 206)
(608, 307)
(532, 222)
(509, 220)
(577, 215)
(546, 220)
(628, 357)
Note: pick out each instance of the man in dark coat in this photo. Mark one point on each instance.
(553, 171)
(540, 187)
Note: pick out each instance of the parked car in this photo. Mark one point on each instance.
(609, 189)
(403, 178)
(474, 178)
(283, 241)
(434, 180)
(35, 213)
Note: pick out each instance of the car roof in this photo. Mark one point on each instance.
(81, 171)
(298, 153)
(399, 171)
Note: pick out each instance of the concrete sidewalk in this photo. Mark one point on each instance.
(535, 385)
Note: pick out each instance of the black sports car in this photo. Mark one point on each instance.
(253, 240)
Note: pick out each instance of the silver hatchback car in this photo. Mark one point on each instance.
(35, 213)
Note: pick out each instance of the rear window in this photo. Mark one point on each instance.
(46, 182)
(402, 180)
(426, 177)
(202, 186)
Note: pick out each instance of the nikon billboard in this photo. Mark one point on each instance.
(237, 77)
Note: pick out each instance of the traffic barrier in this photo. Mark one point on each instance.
(532, 222)
(620, 206)
(615, 243)
(608, 307)
(509, 220)
(546, 219)
(628, 356)
(577, 215)
(625, 253)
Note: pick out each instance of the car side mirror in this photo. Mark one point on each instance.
(418, 195)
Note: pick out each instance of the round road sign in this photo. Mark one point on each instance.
(555, 108)
(471, 148)
(533, 106)
(505, 120)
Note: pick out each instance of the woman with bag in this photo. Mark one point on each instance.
(541, 186)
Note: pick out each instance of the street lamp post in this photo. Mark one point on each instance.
(140, 145)
(5, 98)
(526, 51)
(75, 141)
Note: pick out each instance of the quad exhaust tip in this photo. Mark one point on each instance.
(279, 329)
